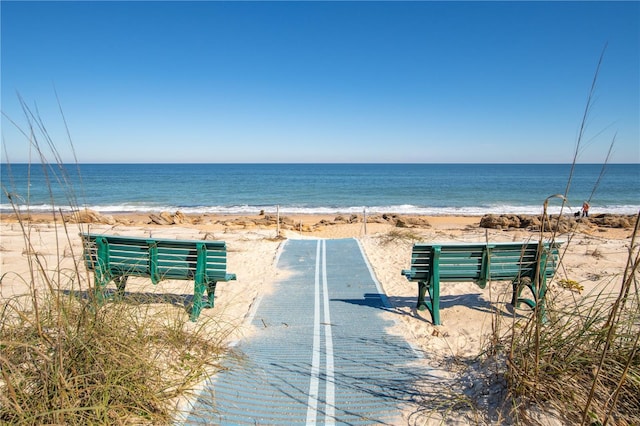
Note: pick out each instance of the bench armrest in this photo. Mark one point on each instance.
(409, 273)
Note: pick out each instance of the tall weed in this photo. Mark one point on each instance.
(65, 361)
(584, 361)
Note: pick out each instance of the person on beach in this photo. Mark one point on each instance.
(585, 209)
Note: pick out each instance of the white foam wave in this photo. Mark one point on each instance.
(398, 209)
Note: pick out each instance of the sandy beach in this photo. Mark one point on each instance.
(595, 257)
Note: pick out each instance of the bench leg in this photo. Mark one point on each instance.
(101, 279)
(433, 304)
(101, 282)
(121, 284)
(199, 302)
(98, 292)
(211, 293)
(196, 307)
(538, 295)
(434, 294)
(422, 291)
(518, 286)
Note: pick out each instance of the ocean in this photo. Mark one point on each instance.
(428, 189)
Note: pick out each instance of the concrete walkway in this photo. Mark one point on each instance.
(321, 354)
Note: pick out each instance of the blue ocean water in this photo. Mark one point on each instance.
(430, 189)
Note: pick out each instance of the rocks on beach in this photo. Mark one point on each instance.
(289, 223)
(166, 218)
(261, 220)
(562, 224)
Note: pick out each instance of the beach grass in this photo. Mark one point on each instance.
(64, 364)
(396, 235)
(582, 363)
(65, 360)
(579, 364)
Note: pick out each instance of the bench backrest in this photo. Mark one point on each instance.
(481, 262)
(158, 259)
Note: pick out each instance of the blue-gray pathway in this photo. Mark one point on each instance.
(321, 354)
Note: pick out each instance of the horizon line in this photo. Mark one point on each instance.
(319, 162)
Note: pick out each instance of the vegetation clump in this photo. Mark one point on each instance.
(584, 362)
(396, 235)
(65, 362)
(63, 359)
(572, 285)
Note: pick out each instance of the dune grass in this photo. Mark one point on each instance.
(580, 365)
(396, 235)
(583, 363)
(65, 364)
(63, 360)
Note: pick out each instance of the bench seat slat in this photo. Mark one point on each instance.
(120, 254)
(133, 270)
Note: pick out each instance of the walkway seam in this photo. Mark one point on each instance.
(314, 382)
(330, 391)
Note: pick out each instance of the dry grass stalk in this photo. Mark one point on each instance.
(64, 362)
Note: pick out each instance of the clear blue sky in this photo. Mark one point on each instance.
(323, 81)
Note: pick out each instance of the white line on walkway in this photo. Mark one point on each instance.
(383, 295)
(312, 402)
(330, 409)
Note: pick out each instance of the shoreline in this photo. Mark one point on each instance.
(405, 210)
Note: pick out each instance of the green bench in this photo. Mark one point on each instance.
(115, 258)
(518, 262)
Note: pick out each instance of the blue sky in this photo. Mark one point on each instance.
(323, 81)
